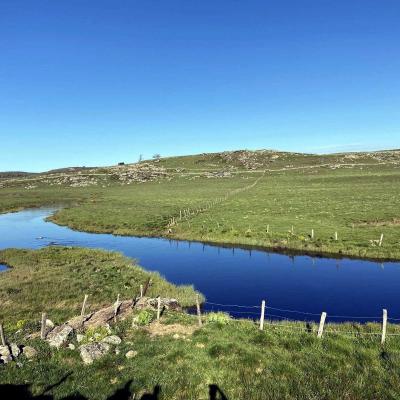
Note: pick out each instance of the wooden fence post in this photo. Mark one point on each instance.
(158, 308)
(312, 233)
(43, 327)
(381, 240)
(84, 305)
(198, 310)
(141, 291)
(116, 306)
(321, 325)
(336, 236)
(384, 323)
(267, 228)
(262, 315)
(3, 339)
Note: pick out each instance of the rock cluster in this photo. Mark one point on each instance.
(98, 345)
(11, 352)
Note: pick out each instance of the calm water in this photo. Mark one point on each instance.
(353, 288)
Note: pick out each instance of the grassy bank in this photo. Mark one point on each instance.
(353, 195)
(285, 361)
(55, 280)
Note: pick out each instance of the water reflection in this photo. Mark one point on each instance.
(233, 276)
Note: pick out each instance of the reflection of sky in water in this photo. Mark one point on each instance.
(234, 276)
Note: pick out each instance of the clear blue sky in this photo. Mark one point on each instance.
(96, 82)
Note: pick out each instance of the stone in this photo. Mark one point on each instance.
(49, 323)
(71, 346)
(113, 339)
(6, 359)
(59, 336)
(117, 351)
(5, 351)
(29, 352)
(93, 351)
(15, 350)
(79, 337)
(131, 354)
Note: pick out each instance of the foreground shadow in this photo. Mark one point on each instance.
(23, 392)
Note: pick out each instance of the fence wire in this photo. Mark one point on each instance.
(250, 310)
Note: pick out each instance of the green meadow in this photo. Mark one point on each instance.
(233, 357)
(353, 198)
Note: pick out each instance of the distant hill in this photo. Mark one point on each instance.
(204, 163)
(14, 174)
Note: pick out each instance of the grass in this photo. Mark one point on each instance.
(282, 362)
(286, 360)
(353, 195)
(55, 280)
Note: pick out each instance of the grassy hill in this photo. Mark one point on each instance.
(277, 200)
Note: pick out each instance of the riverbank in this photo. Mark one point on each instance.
(56, 279)
(181, 360)
(285, 360)
(309, 204)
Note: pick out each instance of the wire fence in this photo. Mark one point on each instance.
(256, 312)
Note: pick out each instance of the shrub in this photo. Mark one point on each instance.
(218, 318)
(144, 318)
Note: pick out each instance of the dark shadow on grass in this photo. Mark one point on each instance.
(216, 393)
(23, 392)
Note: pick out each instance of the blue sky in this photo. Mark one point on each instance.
(98, 82)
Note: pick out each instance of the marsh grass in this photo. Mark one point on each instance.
(55, 280)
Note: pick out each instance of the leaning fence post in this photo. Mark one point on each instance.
(43, 327)
(384, 323)
(381, 240)
(116, 306)
(141, 291)
(3, 339)
(84, 305)
(158, 307)
(198, 310)
(262, 315)
(321, 325)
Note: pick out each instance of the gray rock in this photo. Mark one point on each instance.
(29, 352)
(59, 336)
(113, 339)
(49, 323)
(131, 354)
(93, 351)
(71, 346)
(15, 350)
(5, 351)
(6, 359)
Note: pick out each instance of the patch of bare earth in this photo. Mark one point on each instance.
(157, 329)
